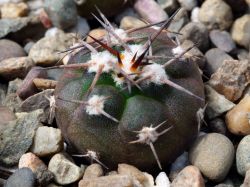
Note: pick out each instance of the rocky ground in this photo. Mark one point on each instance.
(32, 149)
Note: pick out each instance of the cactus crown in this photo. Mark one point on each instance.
(131, 66)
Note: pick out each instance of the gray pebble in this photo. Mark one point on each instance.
(222, 40)
(243, 155)
(215, 58)
(197, 33)
(21, 178)
(63, 13)
(213, 154)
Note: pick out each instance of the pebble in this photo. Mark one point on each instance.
(243, 156)
(162, 180)
(240, 30)
(65, 171)
(189, 176)
(197, 33)
(129, 11)
(188, 4)
(43, 84)
(3, 90)
(218, 125)
(45, 51)
(28, 88)
(216, 14)
(150, 11)
(179, 21)
(17, 67)
(12, 100)
(6, 115)
(14, 10)
(180, 163)
(217, 103)
(170, 6)
(17, 136)
(28, 46)
(242, 54)
(195, 14)
(237, 119)
(129, 22)
(81, 28)
(133, 172)
(10, 49)
(215, 58)
(47, 141)
(53, 32)
(108, 181)
(213, 154)
(63, 13)
(31, 161)
(246, 182)
(22, 177)
(93, 171)
(39, 101)
(231, 78)
(222, 40)
(198, 56)
(97, 33)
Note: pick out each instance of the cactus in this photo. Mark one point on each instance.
(130, 97)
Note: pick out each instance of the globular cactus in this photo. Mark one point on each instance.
(129, 97)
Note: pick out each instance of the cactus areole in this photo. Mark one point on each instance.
(130, 97)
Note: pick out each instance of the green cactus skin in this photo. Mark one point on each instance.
(134, 111)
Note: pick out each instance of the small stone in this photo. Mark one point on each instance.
(218, 125)
(188, 4)
(196, 55)
(180, 163)
(28, 88)
(216, 14)
(222, 40)
(93, 171)
(108, 181)
(133, 172)
(242, 156)
(17, 136)
(12, 100)
(53, 32)
(96, 33)
(45, 51)
(65, 171)
(47, 141)
(217, 103)
(242, 54)
(14, 10)
(3, 90)
(162, 180)
(63, 13)
(43, 84)
(215, 58)
(195, 14)
(231, 78)
(240, 30)
(10, 49)
(197, 33)
(129, 22)
(246, 182)
(237, 119)
(189, 176)
(81, 28)
(39, 101)
(150, 11)
(31, 161)
(129, 11)
(179, 21)
(21, 177)
(6, 115)
(28, 46)
(17, 67)
(213, 154)
(170, 6)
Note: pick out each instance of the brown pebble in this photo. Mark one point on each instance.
(43, 84)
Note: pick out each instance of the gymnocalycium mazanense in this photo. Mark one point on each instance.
(131, 96)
